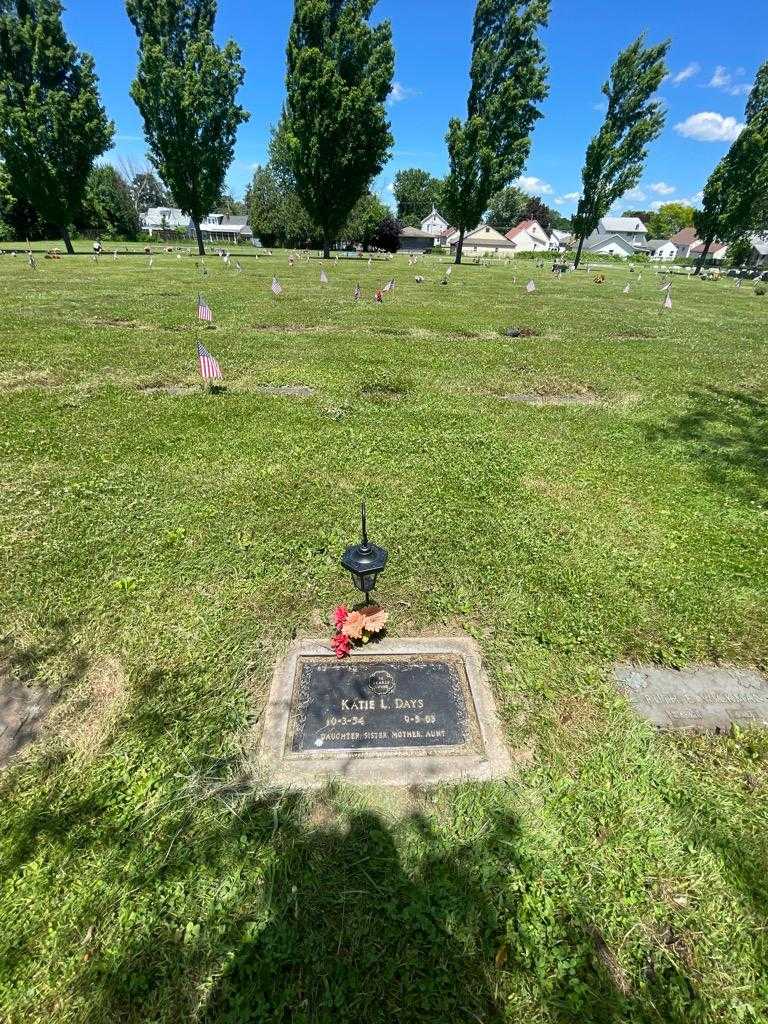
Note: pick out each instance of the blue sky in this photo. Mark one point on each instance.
(716, 50)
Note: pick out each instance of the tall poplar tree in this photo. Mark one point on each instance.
(52, 123)
(335, 127)
(616, 156)
(508, 78)
(735, 200)
(186, 88)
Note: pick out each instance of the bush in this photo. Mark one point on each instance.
(760, 289)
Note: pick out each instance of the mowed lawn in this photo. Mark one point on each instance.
(161, 546)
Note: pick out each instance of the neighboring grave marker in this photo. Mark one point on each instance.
(698, 699)
(394, 713)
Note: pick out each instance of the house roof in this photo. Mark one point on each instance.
(524, 225)
(558, 235)
(760, 244)
(415, 233)
(614, 225)
(657, 243)
(600, 241)
(488, 234)
(715, 247)
(434, 212)
(685, 237)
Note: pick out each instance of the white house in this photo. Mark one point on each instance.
(528, 236)
(759, 255)
(558, 240)
(220, 227)
(164, 218)
(717, 252)
(609, 245)
(685, 241)
(434, 224)
(663, 249)
(484, 240)
(630, 229)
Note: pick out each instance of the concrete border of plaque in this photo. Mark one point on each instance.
(396, 713)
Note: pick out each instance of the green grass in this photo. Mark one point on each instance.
(160, 550)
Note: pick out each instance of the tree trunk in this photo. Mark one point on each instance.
(703, 256)
(460, 245)
(326, 248)
(67, 241)
(577, 259)
(199, 237)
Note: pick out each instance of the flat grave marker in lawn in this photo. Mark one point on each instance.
(400, 712)
(698, 699)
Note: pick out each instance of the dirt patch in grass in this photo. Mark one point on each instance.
(169, 389)
(85, 720)
(286, 390)
(27, 380)
(23, 710)
(552, 398)
(636, 335)
(519, 332)
(116, 321)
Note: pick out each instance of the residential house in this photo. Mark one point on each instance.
(220, 227)
(759, 254)
(528, 236)
(437, 226)
(685, 240)
(662, 249)
(628, 229)
(414, 240)
(484, 241)
(717, 252)
(161, 219)
(559, 240)
(609, 245)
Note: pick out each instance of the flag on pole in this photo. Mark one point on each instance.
(358, 293)
(449, 271)
(530, 287)
(238, 268)
(277, 288)
(668, 301)
(369, 262)
(32, 264)
(209, 367)
(390, 285)
(151, 261)
(203, 310)
(626, 290)
(323, 277)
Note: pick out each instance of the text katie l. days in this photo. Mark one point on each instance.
(350, 704)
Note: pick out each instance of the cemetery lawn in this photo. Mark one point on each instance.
(161, 546)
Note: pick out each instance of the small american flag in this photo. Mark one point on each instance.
(668, 301)
(277, 288)
(323, 277)
(626, 290)
(449, 271)
(358, 293)
(203, 310)
(530, 287)
(390, 285)
(209, 367)
(238, 268)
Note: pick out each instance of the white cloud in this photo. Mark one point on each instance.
(401, 92)
(688, 72)
(710, 127)
(601, 106)
(634, 193)
(390, 188)
(656, 204)
(742, 89)
(721, 78)
(534, 186)
(661, 188)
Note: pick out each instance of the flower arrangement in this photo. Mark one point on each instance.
(356, 627)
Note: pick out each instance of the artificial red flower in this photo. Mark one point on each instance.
(340, 615)
(341, 645)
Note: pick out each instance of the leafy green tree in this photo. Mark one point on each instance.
(147, 191)
(108, 206)
(186, 88)
(616, 156)
(365, 220)
(335, 127)
(416, 192)
(507, 80)
(505, 208)
(736, 195)
(276, 214)
(669, 219)
(18, 218)
(52, 124)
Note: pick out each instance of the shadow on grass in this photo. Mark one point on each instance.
(727, 432)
